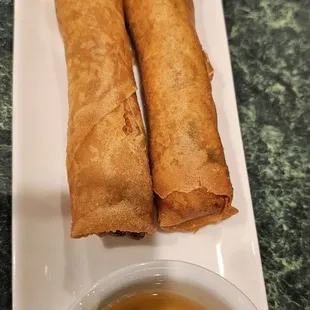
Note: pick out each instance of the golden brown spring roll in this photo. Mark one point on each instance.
(190, 175)
(107, 165)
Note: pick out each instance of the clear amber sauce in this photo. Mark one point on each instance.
(155, 300)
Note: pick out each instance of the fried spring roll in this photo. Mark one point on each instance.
(107, 165)
(190, 175)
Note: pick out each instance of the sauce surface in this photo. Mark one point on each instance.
(154, 300)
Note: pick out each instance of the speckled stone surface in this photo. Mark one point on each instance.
(6, 25)
(270, 52)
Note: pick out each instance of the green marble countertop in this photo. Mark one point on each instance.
(270, 52)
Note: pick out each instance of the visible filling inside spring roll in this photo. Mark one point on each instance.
(131, 235)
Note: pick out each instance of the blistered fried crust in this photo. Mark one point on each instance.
(190, 175)
(191, 211)
(107, 165)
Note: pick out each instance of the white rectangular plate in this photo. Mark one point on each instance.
(50, 269)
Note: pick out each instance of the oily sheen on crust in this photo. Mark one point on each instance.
(186, 151)
(107, 165)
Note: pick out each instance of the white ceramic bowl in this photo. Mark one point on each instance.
(195, 282)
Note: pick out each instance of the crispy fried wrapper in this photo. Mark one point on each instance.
(190, 175)
(107, 165)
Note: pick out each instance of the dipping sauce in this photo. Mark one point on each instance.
(154, 300)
